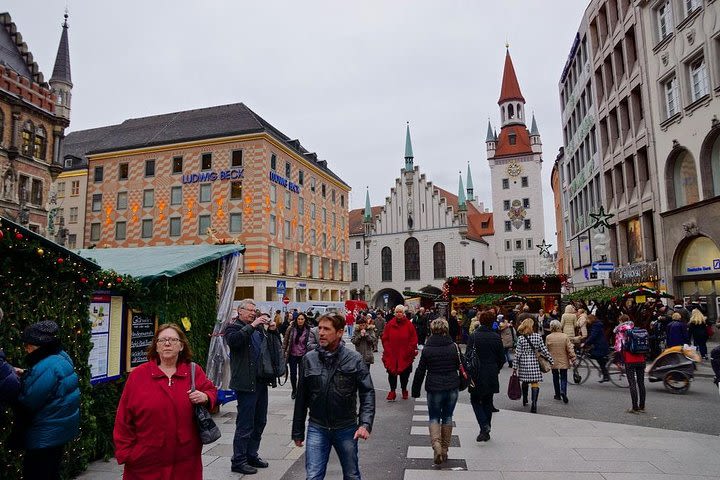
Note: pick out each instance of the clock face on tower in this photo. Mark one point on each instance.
(514, 169)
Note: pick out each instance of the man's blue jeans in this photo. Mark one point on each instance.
(317, 451)
(249, 424)
(441, 406)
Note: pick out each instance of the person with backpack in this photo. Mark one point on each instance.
(630, 342)
(600, 348)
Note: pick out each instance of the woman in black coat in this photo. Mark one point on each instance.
(485, 356)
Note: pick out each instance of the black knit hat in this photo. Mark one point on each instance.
(41, 333)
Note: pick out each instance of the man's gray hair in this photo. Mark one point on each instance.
(244, 303)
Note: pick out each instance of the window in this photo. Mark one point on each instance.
(301, 206)
(342, 200)
(313, 237)
(205, 192)
(524, 181)
(519, 267)
(528, 225)
(691, 6)
(512, 138)
(312, 184)
(273, 162)
(324, 240)
(412, 259)
(148, 198)
(518, 244)
(72, 241)
(206, 161)
(149, 168)
(177, 164)
(123, 171)
(120, 230)
(529, 244)
(288, 230)
(75, 188)
(439, 260)
(36, 192)
(175, 226)
(684, 182)
(147, 228)
(40, 143)
(94, 232)
(508, 226)
(287, 170)
(203, 224)
(526, 203)
(386, 264)
(122, 201)
(508, 245)
(699, 85)
(332, 196)
(98, 174)
(176, 195)
(235, 222)
(235, 190)
(353, 272)
(288, 200)
(324, 215)
(97, 202)
(61, 190)
(506, 205)
(73, 215)
(27, 134)
(301, 234)
(357, 245)
(333, 219)
(484, 224)
(273, 225)
(273, 193)
(322, 190)
(672, 104)
(312, 211)
(664, 20)
(236, 158)
(505, 183)
(301, 177)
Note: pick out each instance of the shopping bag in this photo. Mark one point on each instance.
(513, 391)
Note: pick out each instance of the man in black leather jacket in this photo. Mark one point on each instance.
(332, 378)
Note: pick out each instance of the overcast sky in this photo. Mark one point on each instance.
(342, 76)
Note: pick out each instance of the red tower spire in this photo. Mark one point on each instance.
(510, 88)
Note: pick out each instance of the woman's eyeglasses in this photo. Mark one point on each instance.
(168, 340)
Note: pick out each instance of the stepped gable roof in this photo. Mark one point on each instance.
(14, 52)
(355, 219)
(522, 141)
(510, 89)
(198, 124)
(61, 70)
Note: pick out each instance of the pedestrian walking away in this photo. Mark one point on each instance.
(698, 332)
(634, 364)
(563, 353)
(333, 379)
(529, 345)
(399, 350)
(598, 345)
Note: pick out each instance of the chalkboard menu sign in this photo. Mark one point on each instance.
(140, 335)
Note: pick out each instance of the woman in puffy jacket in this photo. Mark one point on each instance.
(563, 352)
(568, 321)
(49, 401)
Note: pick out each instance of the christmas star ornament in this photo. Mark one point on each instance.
(601, 218)
(544, 248)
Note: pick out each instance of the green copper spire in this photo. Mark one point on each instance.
(461, 194)
(533, 129)
(490, 137)
(367, 218)
(469, 184)
(408, 150)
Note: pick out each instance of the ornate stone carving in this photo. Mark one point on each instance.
(665, 58)
(690, 228)
(690, 35)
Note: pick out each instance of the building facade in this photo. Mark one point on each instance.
(561, 261)
(419, 237)
(220, 174)
(515, 158)
(33, 117)
(681, 40)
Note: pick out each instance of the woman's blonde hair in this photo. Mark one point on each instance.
(439, 326)
(697, 318)
(676, 316)
(526, 327)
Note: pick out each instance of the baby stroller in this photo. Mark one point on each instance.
(675, 367)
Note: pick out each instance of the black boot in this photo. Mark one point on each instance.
(535, 393)
(525, 386)
(484, 434)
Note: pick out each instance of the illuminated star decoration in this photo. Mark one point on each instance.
(544, 248)
(601, 218)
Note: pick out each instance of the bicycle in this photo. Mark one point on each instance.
(616, 369)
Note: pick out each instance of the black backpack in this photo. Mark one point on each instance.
(637, 340)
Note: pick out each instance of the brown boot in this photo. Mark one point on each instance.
(436, 443)
(445, 436)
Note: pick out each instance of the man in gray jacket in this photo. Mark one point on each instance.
(332, 378)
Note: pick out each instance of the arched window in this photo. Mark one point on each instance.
(483, 268)
(40, 143)
(27, 137)
(715, 166)
(519, 111)
(710, 164)
(472, 268)
(502, 114)
(511, 111)
(386, 264)
(439, 260)
(412, 259)
(685, 180)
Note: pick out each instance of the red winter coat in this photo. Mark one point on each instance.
(155, 433)
(400, 342)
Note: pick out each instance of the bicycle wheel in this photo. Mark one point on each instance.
(581, 371)
(618, 377)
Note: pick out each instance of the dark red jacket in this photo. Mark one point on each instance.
(400, 342)
(155, 433)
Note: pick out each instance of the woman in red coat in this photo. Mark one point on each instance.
(399, 341)
(155, 433)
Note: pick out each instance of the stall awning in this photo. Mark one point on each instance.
(150, 263)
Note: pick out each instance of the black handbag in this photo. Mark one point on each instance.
(208, 430)
(462, 371)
